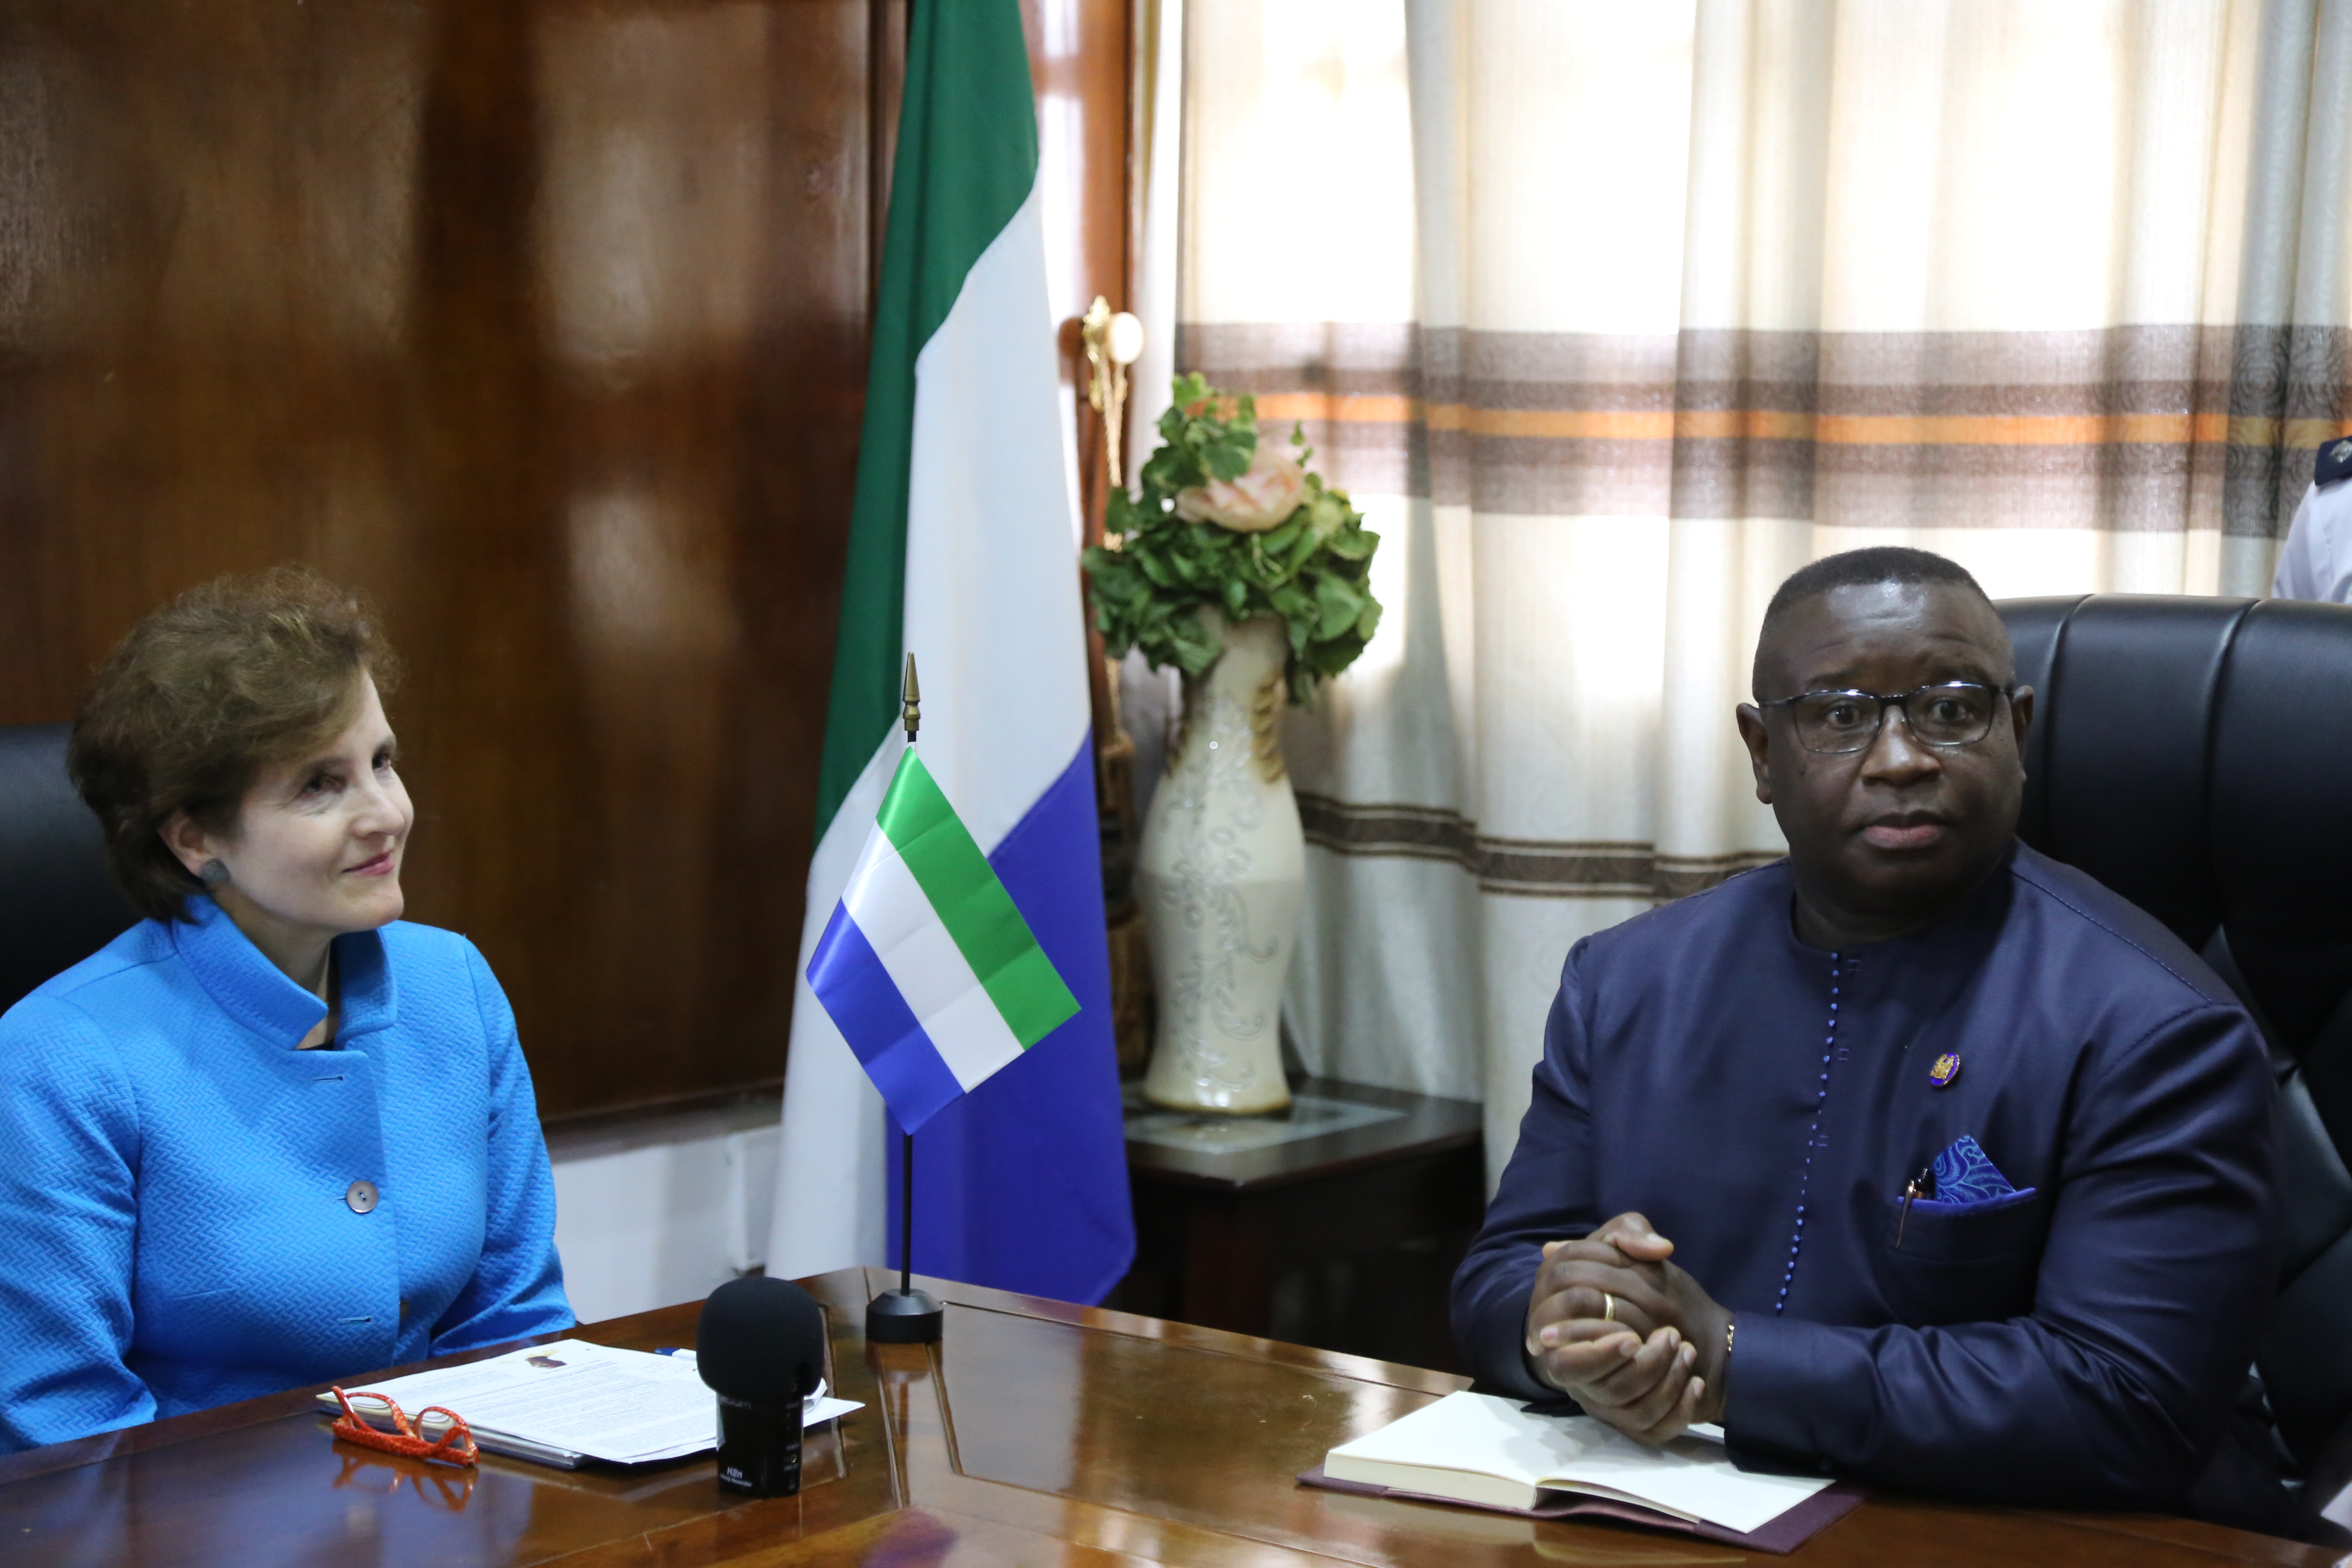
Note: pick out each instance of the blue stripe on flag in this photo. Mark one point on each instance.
(849, 977)
(1021, 1185)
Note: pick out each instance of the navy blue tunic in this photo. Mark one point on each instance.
(1764, 1102)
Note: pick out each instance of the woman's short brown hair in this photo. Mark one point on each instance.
(201, 696)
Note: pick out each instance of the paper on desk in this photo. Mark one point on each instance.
(621, 1405)
(818, 1406)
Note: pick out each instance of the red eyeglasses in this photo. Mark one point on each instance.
(454, 1446)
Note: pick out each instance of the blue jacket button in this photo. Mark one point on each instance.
(360, 1195)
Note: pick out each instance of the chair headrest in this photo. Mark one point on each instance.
(2195, 754)
(57, 904)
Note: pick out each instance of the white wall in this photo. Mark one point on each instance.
(662, 1209)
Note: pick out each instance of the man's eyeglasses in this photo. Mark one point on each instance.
(1947, 714)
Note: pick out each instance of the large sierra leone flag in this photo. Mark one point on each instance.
(977, 894)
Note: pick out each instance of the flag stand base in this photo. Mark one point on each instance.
(903, 1317)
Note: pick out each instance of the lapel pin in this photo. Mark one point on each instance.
(1947, 1068)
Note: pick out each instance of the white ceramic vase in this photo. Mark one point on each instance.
(1221, 874)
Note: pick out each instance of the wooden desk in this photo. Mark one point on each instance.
(1223, 1223)
(1036, 1432)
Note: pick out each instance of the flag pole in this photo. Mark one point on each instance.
(905, 1316)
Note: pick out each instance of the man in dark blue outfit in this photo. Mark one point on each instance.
(1916, 1156)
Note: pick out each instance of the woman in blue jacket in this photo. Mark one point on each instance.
(271, 1135)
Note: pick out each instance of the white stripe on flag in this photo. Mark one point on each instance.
(923, 960)
(992, 614)
(833, 1124)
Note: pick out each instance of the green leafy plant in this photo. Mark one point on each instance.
(1168, 552)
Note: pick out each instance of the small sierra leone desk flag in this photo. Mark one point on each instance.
(927, 966)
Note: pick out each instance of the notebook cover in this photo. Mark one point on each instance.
(1780, 1536)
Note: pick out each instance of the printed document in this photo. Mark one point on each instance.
(571, 1400)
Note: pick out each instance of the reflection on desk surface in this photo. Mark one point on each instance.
(285, 1494)
(1034, 1432)
(1311, 1116)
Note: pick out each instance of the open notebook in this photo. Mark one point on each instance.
(570, 1400)
(1490, 1453)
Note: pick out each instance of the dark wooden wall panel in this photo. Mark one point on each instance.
(544, 323)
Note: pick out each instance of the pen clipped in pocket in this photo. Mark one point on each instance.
(1961, 1262)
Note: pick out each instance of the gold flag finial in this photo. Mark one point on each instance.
(912, 696)
(1113, 340)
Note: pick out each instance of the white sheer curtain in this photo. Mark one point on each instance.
(1610, 315)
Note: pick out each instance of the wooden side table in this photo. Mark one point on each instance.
(1225, 1206)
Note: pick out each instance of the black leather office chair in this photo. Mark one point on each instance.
(2196, 756)
(57, 905)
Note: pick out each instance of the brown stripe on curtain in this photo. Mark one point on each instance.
(1530, 868)
(2127, 428)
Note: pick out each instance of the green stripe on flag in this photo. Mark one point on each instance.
(967, 159)
(972, 904)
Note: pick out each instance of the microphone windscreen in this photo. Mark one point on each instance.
(761, 1340)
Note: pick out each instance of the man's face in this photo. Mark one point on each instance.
(1889, 837)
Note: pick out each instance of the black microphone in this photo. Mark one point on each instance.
(761, 1348)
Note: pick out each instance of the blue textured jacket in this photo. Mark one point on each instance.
(174, 1228)
(1764, 1103)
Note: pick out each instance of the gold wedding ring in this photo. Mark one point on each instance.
(1608, 1308)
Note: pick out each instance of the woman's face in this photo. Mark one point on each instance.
(319, 842)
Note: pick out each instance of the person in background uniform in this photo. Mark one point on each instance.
(2317, 561)
(1914, 1156)
(271, 1135)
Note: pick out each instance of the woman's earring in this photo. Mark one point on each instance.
(214, 876)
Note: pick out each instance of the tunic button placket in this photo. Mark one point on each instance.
(1813, 1134)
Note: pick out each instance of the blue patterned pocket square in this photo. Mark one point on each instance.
(1966, 1175)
